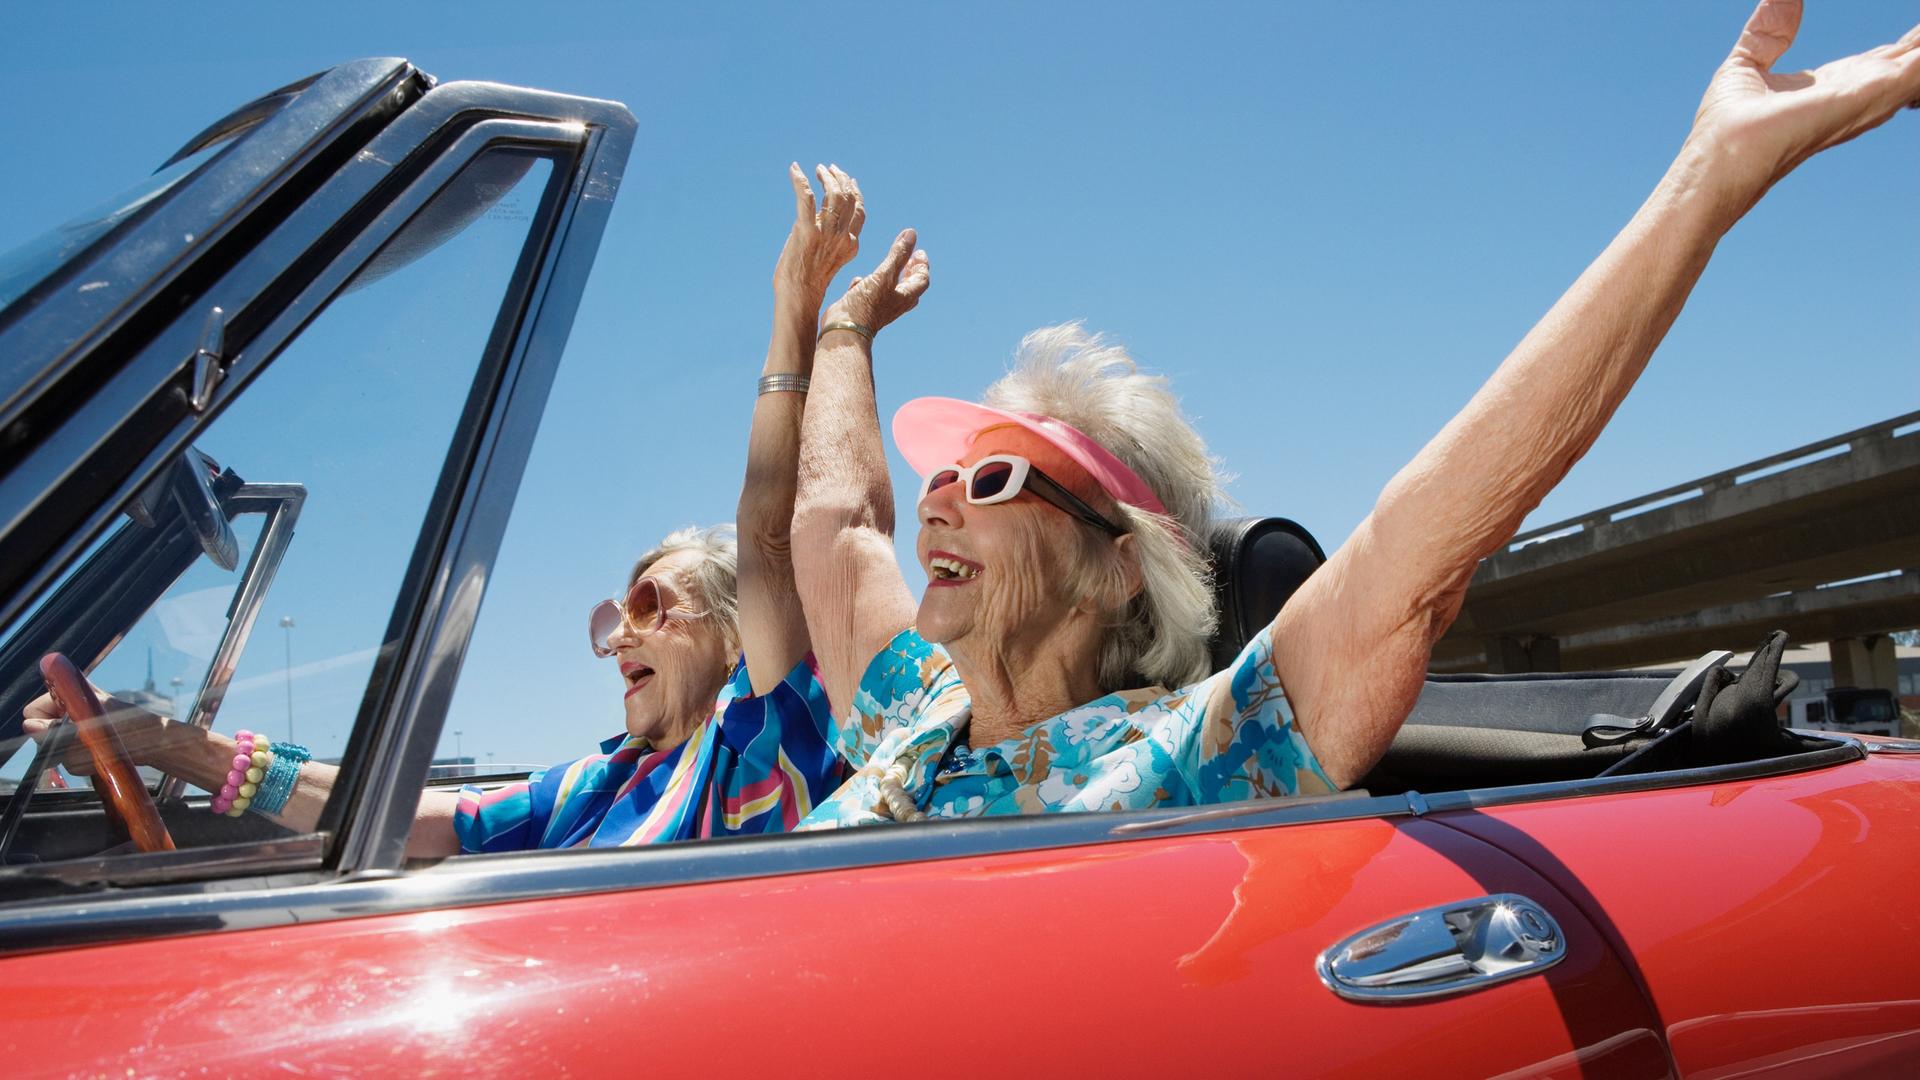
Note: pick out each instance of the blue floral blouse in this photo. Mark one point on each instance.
(1227, 737)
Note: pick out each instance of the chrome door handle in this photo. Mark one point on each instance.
(1450, 949)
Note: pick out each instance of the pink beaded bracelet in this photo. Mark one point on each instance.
(253, 754)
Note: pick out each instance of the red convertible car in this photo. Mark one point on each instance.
(338, 312)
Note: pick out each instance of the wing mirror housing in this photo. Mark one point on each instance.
(190, 484)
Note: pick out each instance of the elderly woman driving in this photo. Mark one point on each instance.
(1057, 659)
(712, 746)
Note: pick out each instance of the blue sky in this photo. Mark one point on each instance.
(1327, 223)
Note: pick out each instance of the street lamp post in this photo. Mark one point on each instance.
(459, 759)
(286, 623)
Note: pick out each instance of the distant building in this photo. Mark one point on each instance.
(149, 696)
(451, 766)
(1813, 665)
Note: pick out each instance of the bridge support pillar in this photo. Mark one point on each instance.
(1865, 662)
(1514, 654)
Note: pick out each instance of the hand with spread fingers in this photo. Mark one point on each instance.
(891, 291)
(1040, 610)
(1755, 124)
(822, 240)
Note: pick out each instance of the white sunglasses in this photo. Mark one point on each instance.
(997, 478)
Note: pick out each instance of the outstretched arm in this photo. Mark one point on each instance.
(1352, 646)
(203, 758)
(851, 588)
(773, 633)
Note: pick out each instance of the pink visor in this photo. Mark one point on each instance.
(934, 432)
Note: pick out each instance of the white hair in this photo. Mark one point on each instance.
(1071, 375)
(716, 575)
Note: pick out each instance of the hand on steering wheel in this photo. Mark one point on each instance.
(114, 776)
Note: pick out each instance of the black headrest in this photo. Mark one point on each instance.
(1257, 564)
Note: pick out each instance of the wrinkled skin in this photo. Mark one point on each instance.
(1019, 608)
(672, 676)
(1761, 124)
(1352, 646)
(893, 289)
(822, 240)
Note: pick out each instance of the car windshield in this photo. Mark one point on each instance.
(1868, 710)
(32, 262)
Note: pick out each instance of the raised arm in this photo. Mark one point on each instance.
(773, 632)
(1352, 646)
(851, 588)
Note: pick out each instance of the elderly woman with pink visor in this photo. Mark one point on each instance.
(1058, 659)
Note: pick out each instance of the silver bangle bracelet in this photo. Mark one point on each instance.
(770, 384)
(850, 327)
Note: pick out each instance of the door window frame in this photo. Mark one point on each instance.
(296, 266)
(83, 372)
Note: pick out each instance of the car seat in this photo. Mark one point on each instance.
(1465, 730)
(1258, 562)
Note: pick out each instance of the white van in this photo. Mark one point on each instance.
(1845, 708)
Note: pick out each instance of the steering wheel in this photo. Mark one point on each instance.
(122, 793)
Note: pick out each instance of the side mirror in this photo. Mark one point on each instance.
(193, 492)
(189, 484)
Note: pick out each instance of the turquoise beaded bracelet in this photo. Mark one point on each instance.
(276, 787)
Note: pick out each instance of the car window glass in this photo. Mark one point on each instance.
(384, 374)
(23, 267)
(163, 661)
(356, 416)
(616, 466)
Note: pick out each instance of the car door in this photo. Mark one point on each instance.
(352, 293)
(1782, 949)
(1077, 945)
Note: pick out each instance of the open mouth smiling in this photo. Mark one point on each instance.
(946, 568)
(637, 676)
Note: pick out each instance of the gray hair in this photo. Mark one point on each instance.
(716, 575)
(1081, 378)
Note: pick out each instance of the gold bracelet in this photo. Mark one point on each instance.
(770, 384)
(843, 325)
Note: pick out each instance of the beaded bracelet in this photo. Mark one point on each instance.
(277, 786)
(253, 755)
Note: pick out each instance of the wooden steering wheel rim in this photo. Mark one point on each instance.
(113, 773)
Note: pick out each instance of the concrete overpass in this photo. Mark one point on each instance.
(1822, 541)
